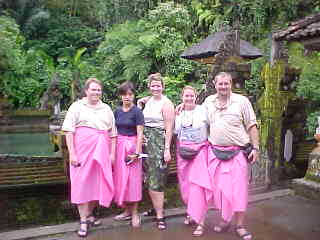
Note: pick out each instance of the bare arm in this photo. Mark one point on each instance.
(254, 138)
(168, 113)
(139, 138)
(70, 144)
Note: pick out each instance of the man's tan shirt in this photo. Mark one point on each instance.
(229, 125)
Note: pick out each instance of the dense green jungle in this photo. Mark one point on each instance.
(118, 40)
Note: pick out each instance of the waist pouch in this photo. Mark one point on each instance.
(225, 155)
(188, 153)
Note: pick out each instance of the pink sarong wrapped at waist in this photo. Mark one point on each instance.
(127, 178)
(93, 179)
(194, 180)
(229, 180)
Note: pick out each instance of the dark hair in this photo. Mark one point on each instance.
(91, 80)
(125, 87)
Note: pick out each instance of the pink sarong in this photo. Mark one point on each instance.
(127, 178)
(229, 181)
(92, 181)
(194, 181)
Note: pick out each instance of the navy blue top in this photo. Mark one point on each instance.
(127, 122)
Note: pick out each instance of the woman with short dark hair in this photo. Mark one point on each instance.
(128, 166)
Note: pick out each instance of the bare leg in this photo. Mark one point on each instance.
(83, 212)
(240, 229)
(92, 205)
(239, 217)
(90, 216)
(157, 199)
(135, 216)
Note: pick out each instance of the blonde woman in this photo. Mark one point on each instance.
(159, 120)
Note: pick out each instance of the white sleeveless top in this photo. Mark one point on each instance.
(152, 112)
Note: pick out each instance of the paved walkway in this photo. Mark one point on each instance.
(271, 216)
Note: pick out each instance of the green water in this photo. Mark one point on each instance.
(30, 144)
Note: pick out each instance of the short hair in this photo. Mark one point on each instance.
(190, 88)
(125, 87)
(156, 77)
(92, 80)
(222, 75)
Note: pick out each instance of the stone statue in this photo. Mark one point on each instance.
(50, 100)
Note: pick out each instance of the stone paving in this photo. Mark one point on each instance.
(275, 215)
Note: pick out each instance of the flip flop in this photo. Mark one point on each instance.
(122, 217)
(246, 235)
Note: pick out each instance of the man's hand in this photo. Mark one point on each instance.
(254, 156)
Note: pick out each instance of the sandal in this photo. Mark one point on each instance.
(199, 231)
(94, 222)
(150, 212)
(83, 232)
(245, 235)
(188, 220)
(122, 217)
(221, 227)
(136, 223)
(161, 224)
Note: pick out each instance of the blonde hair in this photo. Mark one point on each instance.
(222, 75)
(92, 80)
(188, 87)
(155, 77)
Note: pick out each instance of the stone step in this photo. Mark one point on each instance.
(31, 175)
(25, 171)
(35, 180)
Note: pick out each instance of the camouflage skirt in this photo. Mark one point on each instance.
(154, 166)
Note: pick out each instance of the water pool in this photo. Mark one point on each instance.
(30, 144)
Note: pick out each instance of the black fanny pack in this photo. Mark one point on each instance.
(188, 153)
(225, 155)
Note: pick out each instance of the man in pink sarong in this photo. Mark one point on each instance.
(91, 139)
(232, 126)
(191, 128)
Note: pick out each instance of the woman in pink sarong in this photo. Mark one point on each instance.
(128, 166)
(91, 139)
(191, 127)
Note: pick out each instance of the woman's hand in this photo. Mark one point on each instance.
(74, 161)
(167, 155)
(142, 101)
(179, 108)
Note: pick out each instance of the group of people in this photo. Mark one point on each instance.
(111, 153)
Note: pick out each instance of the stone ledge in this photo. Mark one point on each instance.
(307, 188)
(109, 223)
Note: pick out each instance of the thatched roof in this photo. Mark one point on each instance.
(210, 47)
(303, 29)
